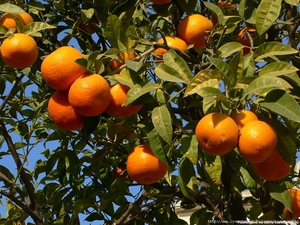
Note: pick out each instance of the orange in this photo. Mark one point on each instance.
(20, 51)
(8, 19)
(116, 63)
(89, 94)
(217, 133)
(295, 194)
(59, 69)
(242, 117)
(245, 38)
(160, 2)
(195, 29)
(257, 141)
(172, 41)
(273, 168)
(144, 167)
(115, 107)
(62, 113)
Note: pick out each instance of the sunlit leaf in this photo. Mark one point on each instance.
(190, 147)
(229, 49)
(157, 146)
(280, 193)
(214, 170)
(292, 2)
(277, 69)
(11, 8)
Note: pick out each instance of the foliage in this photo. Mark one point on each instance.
(73, 176)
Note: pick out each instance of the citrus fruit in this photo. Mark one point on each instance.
(8, 20)
(144, 167)
(217, 133)
(295, 207)
(225, 6)
(194, 29)
(245, 38)
(242, 117)
(89, 95)
(59, 69)
(116, 63)
(257, 141)
(115, 107)
(20, 51)
(273, 168)
(172, 41)
(62, 113)
(160, 2)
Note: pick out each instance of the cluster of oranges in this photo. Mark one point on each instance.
(20, 50)
(255, 140)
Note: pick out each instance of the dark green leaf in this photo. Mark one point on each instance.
(157, 146)
(185, 172)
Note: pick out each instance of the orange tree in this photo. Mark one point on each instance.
(66, 176)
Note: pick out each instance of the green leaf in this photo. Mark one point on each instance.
(190, 147)
(267, 13)
(11, 8)
(81, 205)
(203, 79)
(247, 180)
(216, 10)
(292, 2)
(229, 49)
(277, 69)
(214, 170)
(237, 65)
(280, 102)
(33, 28)
(156, 146)
(162, 122)
(225, 69)
(264, 84)
(280, 193)
(174, 68)
(87, 14)
(274, 48)
(185, 173)
(113, 30)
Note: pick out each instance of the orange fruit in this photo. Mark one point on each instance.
(115, 107)
(8, 19)
(89, 95)
(242, 117)
(59, 69)
(217, 133)
(20, 51)
(295, 194)
(225, 6)
(160, 2)
(273, 168)
(116, 63)
(257, 141)
(245, 38)
(172, 41)
(144, 167)
(194, 29)
(62, 113)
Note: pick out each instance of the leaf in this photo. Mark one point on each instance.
(113, 30)
(267, 13)
(81, 205)
(11, 8)
(280, 102)
(162, 122)
(86, 14)
(270, 49)
(214, 170)
(277, 69)
(225, 69)
(216, 10)
(247, 180)
(292, 2)
(185, 173)
(174, 68)
(190, 147)
(280, 193)
(264, 84)
(204, 78)
(156, 146)
(237, 65)
(229, 49)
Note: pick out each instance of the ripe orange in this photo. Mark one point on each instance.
(172, 41)
(273, 168)
(62, 113)
(160, 2)
(59, 69)
(89, 95)
(115, 107)
(245, 38)
(20, 51)
(242, 117)
(8, 19)
(144, 167)
(116, 63)
(295, 193)
(194, 29)
(217, 133)
(257, 141)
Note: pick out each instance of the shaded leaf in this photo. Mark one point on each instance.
(156, 146)
(185, 173)
(190, 147)
(280, 193)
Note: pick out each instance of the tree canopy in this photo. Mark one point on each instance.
(82, 173)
